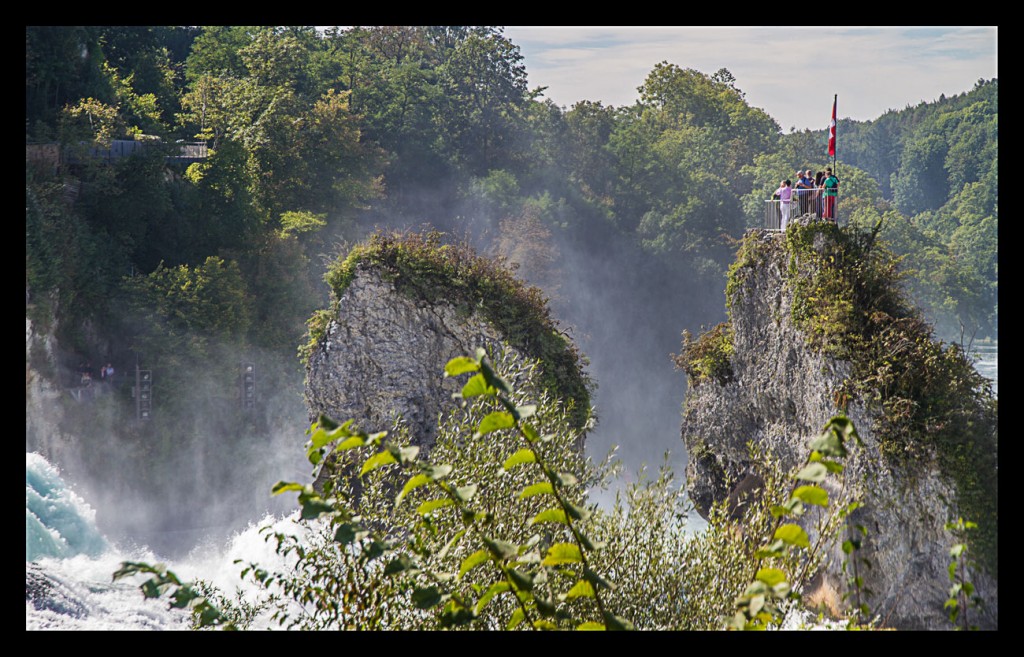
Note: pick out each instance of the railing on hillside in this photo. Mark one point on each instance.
(119, 148)
(190, 152)
(805, 201)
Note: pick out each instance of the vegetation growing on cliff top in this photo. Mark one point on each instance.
(423, 267)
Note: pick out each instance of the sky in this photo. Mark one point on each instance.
(792, 73)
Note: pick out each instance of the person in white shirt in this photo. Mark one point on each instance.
(785, 194)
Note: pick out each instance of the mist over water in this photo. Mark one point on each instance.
(74, 590)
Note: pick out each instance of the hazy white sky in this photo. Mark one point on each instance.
(792, 73)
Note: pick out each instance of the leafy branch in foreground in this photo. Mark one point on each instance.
(183, 596)
(961, 593)
(770, 595)
(466, 559)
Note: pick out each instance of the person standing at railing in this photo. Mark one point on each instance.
(804, 189)
(785, 193)
(831, 193)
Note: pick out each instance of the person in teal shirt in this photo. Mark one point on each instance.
(831, 194)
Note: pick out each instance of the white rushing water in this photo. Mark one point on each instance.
(69, 565)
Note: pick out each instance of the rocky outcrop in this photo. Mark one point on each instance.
(383, 357)
(778, 392)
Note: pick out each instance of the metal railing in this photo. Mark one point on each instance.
(805, 201)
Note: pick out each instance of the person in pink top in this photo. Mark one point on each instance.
(785, 194)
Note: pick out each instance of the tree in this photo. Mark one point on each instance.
(484, 84)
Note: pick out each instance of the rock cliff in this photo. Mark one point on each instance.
(404, 306)
(807, 337)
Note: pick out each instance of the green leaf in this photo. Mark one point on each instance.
(522, 456)
(776, 549)
(545, 607)
(516, 618)
(576, 512)
(794, 507)
(492, 590)
(793, 535)
(834, 467)
(828, 444)
(770, 576)
(328, 423)
(455, 614)
(285, 486)
(437, 472)
(314, 507)
(472, 561)
(814, 472)
(590, 625)
(755, 605)
(406, 454)
(550, 515)
(318, 440)
(495, 421)
(493, 379)
(466, 493)
(414, 482)
(543, 624)
(400, 564)
(597, 580)
(613, 622)
(564, 479)
(432, 505)
(425, 598)
(812, 495)
(589, 545)
(348, 533)
(537, 489)
(374, 549)
(475, 387)
(461, 365)
(582, 589)
(501, 549)
(377, 460)
(530, 432)
(350, 443)
(520, 580)
(561, 553)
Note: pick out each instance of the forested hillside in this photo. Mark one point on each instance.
(313, 139)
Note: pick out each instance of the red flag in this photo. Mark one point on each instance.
(832, 130)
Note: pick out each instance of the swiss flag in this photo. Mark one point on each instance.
(832, 130)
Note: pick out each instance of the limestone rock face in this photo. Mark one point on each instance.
(779, 396)
(383, 357)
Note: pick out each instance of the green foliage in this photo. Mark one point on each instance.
(492, 531)
(770, 594)
(962, 596)
(421, 267)
(459, 542)
(707, 357)
(183, 595)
